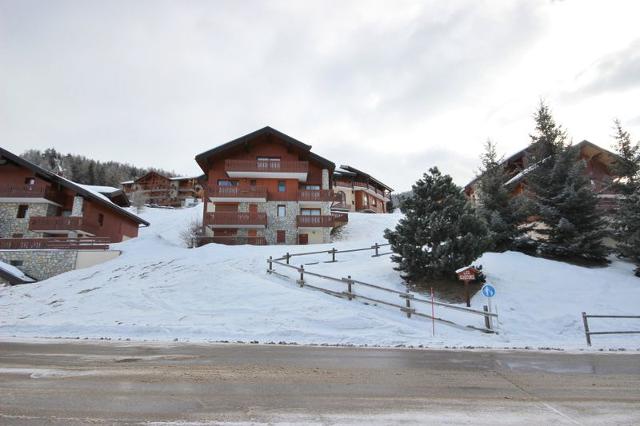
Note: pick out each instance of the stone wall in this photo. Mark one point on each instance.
(41, 264)
(10, 224)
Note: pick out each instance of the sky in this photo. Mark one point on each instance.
(389, 87)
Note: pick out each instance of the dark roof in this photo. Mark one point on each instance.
(523, 152)
(202, 158)
(54, 178)
(368, 176)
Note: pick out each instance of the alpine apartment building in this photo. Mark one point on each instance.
(267, 188)
(165, 191)
(358, 191)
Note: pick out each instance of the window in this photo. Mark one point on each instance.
(282, 186)
(280, 237)
(22, 211)
(30, 181)
(16, 262)
(310, 212)
(253, 183)
(100, 219)
(282, 210)
(312, 187)
(226, 182)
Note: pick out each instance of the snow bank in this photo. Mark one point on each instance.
(159, 290)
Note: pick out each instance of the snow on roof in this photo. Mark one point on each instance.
(100, 189)
(184, 177)
(126, 182)
(15, 272)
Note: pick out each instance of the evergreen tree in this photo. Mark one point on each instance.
(503, 214)
(440, 231)
(565, 202)
(627, 221)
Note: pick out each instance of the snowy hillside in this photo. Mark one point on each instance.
(160, 290)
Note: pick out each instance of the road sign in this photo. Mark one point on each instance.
(488, 290)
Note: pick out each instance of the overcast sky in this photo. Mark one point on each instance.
(390, 87)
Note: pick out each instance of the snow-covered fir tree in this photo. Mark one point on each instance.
(440, 231)
(565, 202)
(503, 214)
(627, 220)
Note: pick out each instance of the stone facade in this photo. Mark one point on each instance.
(41, 264)
(11, 225)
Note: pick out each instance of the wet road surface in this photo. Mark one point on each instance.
(117, 383)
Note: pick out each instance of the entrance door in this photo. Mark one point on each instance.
(303, 239)
(280, 237)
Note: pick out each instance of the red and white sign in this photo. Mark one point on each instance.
(468, 274)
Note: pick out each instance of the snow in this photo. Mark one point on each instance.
(159, 290)
(99, 189)
(12, 270)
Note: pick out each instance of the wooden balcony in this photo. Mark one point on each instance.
(317, 221)
(62, 224)
(31, 191)
(233, 240)
(267, 169)
(237, 194)
(322, 195)
(340, 218)
(236, 220)
(97, 243)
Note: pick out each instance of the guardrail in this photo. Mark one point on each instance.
(588, 333)
(95, 243)
(408, 308)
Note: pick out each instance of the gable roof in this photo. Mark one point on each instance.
(202, 158)
(353, 170)
(523, 152)
(77, 188)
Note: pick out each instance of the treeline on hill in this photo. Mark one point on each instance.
(84, 170)
(556, 218)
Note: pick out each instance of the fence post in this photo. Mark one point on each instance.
(270, 261)
(301, 280)
(333, 254)
(287, 256)
(349, 287)
(586, 328)
(487, 319)
(376, 247)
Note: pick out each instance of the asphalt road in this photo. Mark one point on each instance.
(112, 383)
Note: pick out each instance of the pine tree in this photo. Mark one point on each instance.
(565, 202)
(503, 214)
(440, 231)
(627, 220)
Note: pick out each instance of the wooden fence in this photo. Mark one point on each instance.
(93, 243)
(588, 333)
(410, 307)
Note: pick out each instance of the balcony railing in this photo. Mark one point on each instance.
(97, 243)
(315, 221)
(232, 240)
(233, 219)
(267, 166)
(31, 191)
(237, 192)
(323, 195)
(340, 218)
(62, 223)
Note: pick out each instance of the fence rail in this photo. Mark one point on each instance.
(95, 243)
(588, 333)
(408, 308)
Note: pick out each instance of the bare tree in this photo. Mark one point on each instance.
(190, 234)
(138, 200)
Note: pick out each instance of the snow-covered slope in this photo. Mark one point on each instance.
(160, 290)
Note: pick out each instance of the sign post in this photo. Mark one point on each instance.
(467, 274)
(489, 291)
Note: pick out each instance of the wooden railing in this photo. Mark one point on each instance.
(237, 192)
(236, 218)
(588, 333)
(376, 294)
(31, 191)
(325, 195)
(232, 240)
(96, 243)
(340, 218)
(266, 166)
(318, 221)
(61, 223)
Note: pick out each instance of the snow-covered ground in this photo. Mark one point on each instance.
(160, 290)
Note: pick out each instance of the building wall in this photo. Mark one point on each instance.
(11, 225)
(41, 264)
(115, 226)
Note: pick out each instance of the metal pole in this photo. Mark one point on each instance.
(433, 316)
(586, 328)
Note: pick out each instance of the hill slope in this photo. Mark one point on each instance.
(159, 290)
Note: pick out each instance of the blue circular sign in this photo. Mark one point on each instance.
(488, 290)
